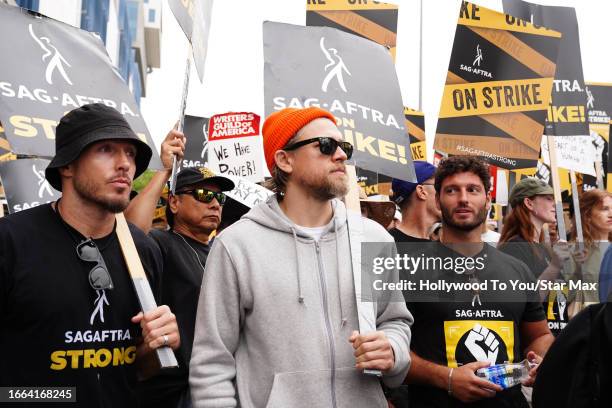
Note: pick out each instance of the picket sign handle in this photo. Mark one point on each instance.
(165, 355)
(554, 173)
(577, 216)
(175, 163)
(599, 173)
(365, 305)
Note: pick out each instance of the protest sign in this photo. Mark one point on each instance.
(351, 77)
(372, 183)
(235, 147)
(376, 21)
(66, 68)
(497, 88)
(194, 17)
(567, 112)
(415, 124)
(5, 147)
(25, 185)
(246, 192)
(196, 146)
(566, 115)
(573, 152)
(599, 110)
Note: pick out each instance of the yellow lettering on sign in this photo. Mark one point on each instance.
(566, 114)
(376, 147)
(29, 127)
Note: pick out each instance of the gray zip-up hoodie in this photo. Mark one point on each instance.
(275, 314)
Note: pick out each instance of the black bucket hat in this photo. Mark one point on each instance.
(86, 125)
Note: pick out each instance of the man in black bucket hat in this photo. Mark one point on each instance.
(69, 316)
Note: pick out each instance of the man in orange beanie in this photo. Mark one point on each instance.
(277, 317)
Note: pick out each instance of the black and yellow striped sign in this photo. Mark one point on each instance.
(497, 88)
(373, 20)
(415, 125)
(599, 111)
(5, 148)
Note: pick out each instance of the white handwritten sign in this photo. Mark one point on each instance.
(247, 193)
(576, 153)
(235, 147)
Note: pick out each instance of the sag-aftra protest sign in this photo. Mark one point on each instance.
(49, 68)
(497, 88)
(351, 77)
(196, 145)
(25, 185)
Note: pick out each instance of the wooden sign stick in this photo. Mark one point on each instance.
(365, 307)
(554, 173)
(577, 216)
(165, 355)
(175, 163)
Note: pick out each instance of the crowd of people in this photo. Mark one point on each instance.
(263, 311)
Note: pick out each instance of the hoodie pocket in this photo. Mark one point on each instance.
(312, 389)
(357, 390)
(301, 389)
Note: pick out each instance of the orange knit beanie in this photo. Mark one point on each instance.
(282, 125)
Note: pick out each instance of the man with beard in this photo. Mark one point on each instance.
(68, 310)
(277, 318)
(457, 332)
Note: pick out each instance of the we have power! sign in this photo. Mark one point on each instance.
(235, 147)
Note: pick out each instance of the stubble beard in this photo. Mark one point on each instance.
(326, 188)
(447, 219)
(87, 191)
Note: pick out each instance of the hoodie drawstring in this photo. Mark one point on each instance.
(342, 317)
(297, 264)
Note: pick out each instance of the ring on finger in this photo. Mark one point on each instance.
(165, 343)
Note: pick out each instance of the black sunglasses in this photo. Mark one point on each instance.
(327, 145)
(99, 277)
(205, 196)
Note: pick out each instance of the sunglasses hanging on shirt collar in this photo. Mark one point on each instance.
(99, 277)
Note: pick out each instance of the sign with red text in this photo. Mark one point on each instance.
(235, 147)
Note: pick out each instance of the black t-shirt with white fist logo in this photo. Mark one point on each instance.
(471, 325)
(56, 329)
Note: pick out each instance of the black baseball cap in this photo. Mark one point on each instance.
(189, 176)
(86, 125)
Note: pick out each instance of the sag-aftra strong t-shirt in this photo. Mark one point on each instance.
(56, 330)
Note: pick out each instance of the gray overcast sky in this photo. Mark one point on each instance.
(233, 79)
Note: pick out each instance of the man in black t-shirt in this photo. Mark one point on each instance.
(465, 331)
(417, 204)
(68, 311)
(193, 213)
